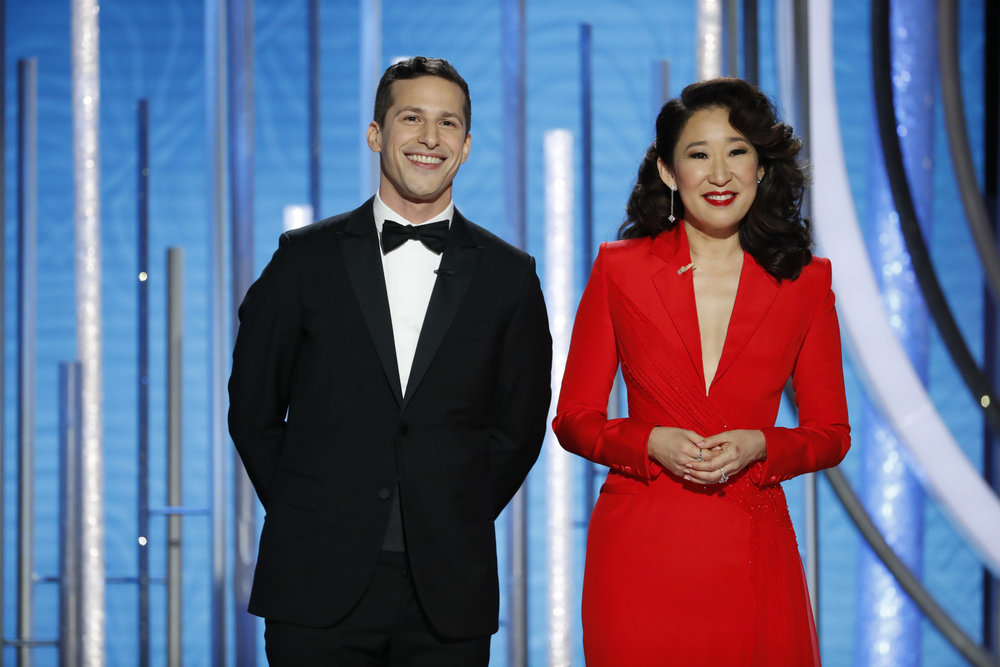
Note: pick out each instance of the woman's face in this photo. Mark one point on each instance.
(715, 173)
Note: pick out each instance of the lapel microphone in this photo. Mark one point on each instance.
(444, 272)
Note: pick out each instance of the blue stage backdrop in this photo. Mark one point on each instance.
(155, 50)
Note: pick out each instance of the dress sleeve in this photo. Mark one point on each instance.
(581, 423)
(822, 437)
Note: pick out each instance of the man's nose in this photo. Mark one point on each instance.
(429, 135)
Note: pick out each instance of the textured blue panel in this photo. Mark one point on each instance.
(155, 50)
(888, 629)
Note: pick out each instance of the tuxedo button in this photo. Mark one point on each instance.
(403, 429)
(384, 494)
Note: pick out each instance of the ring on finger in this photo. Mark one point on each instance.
(724, 478)
(699, 456)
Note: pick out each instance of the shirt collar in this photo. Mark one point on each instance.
(382, 213)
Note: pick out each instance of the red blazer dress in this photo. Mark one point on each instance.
(678, 573)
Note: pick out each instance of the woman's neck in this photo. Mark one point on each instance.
(706, 249)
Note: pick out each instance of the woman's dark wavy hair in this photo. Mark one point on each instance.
(773, 230)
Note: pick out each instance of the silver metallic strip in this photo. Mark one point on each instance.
(85, 48)
(710, 49)
(69, 520)
(296, 215)
(215, 121)
(3, 290)
(370, 69)
(175, 353)
(559, 480)
(27, 326)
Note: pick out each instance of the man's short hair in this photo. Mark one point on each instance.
(413, 68)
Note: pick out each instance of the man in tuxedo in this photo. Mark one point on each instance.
(389, 394)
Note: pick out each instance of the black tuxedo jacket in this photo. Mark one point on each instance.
(325, 434)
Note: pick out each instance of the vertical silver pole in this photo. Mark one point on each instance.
(27, 293)
(587, 213)
(515, 205)
(70, 436)
(175, 327)
(709, 54)
(661, 85)
(370, 67)
(315, 142)
(732, 37)
(751, 42)
(239, 15)
(560, 295)
(85, 49)
(801, 22)
(3, 291)
(215, 121)
(142, 542)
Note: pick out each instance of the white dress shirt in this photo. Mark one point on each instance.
(409, 281)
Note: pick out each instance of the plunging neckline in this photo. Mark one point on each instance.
(708, 380)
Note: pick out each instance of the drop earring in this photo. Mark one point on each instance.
(671, 217)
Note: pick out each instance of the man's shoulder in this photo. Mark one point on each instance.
(334, 224)
(495, 244)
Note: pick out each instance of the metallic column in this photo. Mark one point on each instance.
(791, 32)
(295, 216)
(586, 145)
(27, 297)
(590, 471)
(732, 20)
(315, 142)
(3, 292)
(560, 292)
(370, 71)
(892, 494)
(785, 51)
(70, 436)
(175, 349)
(142, 213)
(751, 42)
(241, 167)
(219, 314)
(709, 39)
(84, 33)
(515, 207)
(991, 311)
(801, 95)
(661, 87)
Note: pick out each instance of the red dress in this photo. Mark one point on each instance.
(679, 573)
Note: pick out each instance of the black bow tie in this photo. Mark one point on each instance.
(434, 235)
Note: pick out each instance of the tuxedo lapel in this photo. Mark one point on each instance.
(360, 250)
(459, 264)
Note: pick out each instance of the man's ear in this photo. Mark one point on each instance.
(466, 147)
(374, 137)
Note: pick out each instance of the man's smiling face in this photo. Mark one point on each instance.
(422, 143)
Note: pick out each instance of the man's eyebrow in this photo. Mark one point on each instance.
(423, 111)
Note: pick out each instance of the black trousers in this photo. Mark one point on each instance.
(386, 628)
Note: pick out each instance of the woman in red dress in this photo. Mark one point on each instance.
(709, 303)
